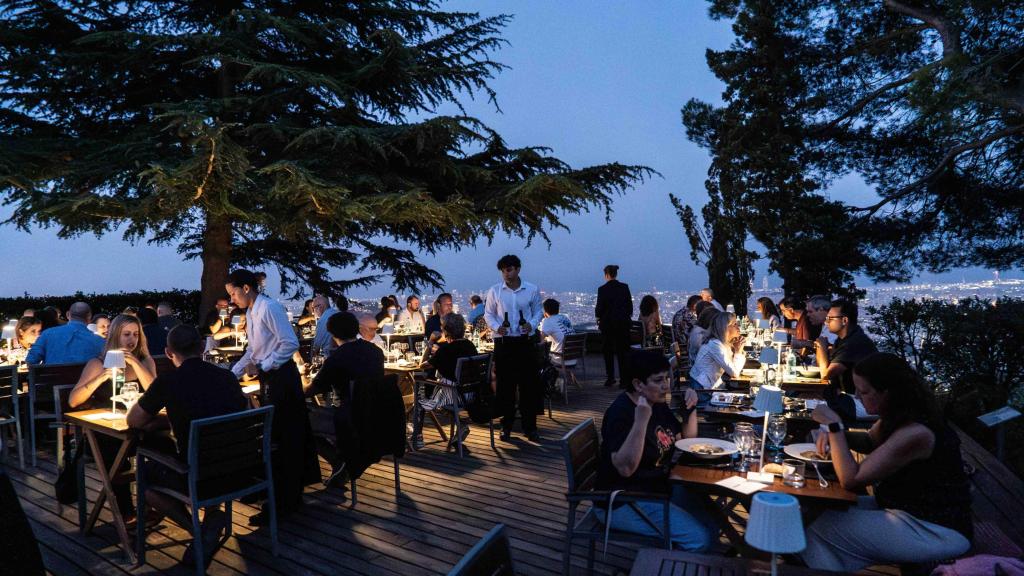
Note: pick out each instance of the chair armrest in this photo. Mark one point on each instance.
(164, 459)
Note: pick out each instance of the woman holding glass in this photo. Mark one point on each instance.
(722, 353)
(921, 507)
(94, 389)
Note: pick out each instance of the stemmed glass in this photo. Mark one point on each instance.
(743, 437)
(403, 347)
(777, 434)
(420, 346)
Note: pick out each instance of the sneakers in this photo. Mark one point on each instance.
(533, 436)
(338, 478)
(418, 443)
(215, 521)
(506, 435)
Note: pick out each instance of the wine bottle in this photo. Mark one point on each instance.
(506, 324)
(524, 328)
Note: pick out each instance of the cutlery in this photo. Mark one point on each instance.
(821, 479)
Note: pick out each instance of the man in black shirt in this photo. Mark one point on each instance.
(852, 346)
(613, 311)
(352, 360)
(196, 389)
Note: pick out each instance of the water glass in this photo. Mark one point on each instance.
(793, 473)
(420, 346)
(777, 433)
(130, 393)
(743, 437)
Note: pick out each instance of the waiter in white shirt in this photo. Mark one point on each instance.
(515, 360)
(272, 342)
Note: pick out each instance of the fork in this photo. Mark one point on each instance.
(821, 479)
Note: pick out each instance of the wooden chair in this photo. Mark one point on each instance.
(10, 411)
(636, 332)
(574, 347)
(491, 556)
(41, 380)
(228, 458)
(582, 453)
(163, 365)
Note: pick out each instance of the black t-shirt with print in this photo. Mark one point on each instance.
(659, 442)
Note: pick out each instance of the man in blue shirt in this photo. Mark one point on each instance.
(476, 310)
(72, 342)
(322, 341)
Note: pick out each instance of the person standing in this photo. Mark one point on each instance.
(614, 310)
(513, 311)
(269, 358)
(322, 341)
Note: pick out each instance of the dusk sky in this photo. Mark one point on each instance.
(597, 82)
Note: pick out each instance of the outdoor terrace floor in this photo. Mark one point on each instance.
(446, 505)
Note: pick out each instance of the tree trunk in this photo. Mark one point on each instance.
(216, 261)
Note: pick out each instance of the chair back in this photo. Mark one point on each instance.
(163, 365)
(491, 556)
(636, 332)
(61, 395)
(306, 349)
(43, 377)
(228, 454)
(9, 385)
(581, 450)
(471, 373)
(574, 347)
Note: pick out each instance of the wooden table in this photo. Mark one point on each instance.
(803, 386)
(813, 498)
(661, 562)
(91, 423)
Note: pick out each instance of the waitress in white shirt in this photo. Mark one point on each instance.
(515, 360)
(272, 342)
(722, 353)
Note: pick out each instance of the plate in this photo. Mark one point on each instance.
(797, 450)
(687, 445)
(809, 372)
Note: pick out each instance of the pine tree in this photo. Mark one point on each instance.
(300, 135)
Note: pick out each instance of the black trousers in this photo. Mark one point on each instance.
(515, 365)
(291, 433)
(615, 339)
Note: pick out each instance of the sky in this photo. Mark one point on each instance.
(597, 81)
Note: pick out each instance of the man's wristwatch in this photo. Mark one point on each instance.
(832, 427)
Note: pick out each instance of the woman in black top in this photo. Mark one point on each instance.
(921, 509)
(452, 346)
(638, 435)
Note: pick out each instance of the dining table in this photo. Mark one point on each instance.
(661, 562)
(704, 478)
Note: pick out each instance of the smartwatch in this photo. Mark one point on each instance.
(832, 427)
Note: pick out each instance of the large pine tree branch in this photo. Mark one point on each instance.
(948, 32)
(950, 156)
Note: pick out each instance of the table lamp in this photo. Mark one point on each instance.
(775, 525)
(769, 401)
(8, 334)
(779, 339)
(114, 360)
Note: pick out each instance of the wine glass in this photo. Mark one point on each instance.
(777, 434)
(420, 346)
(743, 437)
(129, 393)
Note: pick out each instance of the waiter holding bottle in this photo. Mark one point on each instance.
(513, 312)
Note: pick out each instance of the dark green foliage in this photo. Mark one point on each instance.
(924, 103)
(259, 132)
(184, 302)
(969, 352)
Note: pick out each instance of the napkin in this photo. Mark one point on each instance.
(740, 484)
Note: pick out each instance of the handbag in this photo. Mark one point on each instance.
(66, 484)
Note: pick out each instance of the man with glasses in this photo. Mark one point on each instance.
(810, 321)
(851, 346)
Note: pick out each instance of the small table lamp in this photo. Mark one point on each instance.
(775, 525)
(769, 401)
(114, 360)
(8, 335)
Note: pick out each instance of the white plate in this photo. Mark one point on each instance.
(795, 450)
(728, 448)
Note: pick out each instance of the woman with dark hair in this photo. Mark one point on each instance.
(26, 331)
(614, 310)
(683, 321)
(307, 316)
(650, 319)
(638, 434)
(766, 308)
(102, 322)
(706, 314)
(921, 508)
(49, 316)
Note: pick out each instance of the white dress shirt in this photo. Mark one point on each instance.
(714, 359)
(413, 321)
(717, 306)
(555, 329)
(502, 299)
(271, 338)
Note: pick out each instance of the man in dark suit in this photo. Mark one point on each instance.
(614, 310)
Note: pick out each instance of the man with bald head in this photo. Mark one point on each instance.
(70, 343)
(368, 328)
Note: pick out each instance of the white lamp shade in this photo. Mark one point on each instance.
(763, 324)
(769, 399)
(730, 309)
(780, 337)
(775, 524)
(388, 328)
(769, 356)
(114, 359)
(8, 332)
(12, 322)
(91, 328)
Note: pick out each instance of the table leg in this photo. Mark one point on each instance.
(107, 493)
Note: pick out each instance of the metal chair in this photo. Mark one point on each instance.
(41, 380)
(387, 380)
(492, 556)
(582, 453)
(636, 332)
(10, 411)
(574, 348)
(472, 375)
(163, 364)
(228, 458)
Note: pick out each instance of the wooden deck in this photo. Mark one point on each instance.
(446, 505)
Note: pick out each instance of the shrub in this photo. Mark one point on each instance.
(185, 302)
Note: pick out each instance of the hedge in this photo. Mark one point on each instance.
(185, 302)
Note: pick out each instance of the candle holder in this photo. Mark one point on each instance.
(769, 401)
